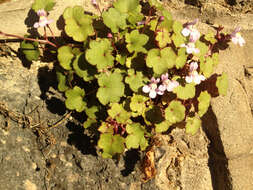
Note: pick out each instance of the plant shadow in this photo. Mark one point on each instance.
(218, 162)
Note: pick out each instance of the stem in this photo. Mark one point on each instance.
(51, 31)
(28, 39)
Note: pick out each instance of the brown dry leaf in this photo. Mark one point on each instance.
(148, 166)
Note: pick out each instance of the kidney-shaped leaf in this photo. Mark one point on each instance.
(175, 112)
(136, 41)
(74, 99)
(192, 125)
(65, 56)
(47, 5)
(100, 54)
(114, 20)
(78, 25)
(111, 144)
(222, 84)
(111, 87)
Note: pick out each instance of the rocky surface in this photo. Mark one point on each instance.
(34, 155)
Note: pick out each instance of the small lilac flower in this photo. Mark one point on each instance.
(189, 30)
(236, 37)
(141, 23)
(43, 21)
(194, 76)
(161, 18)
(94, 3)
(151, 88)
(109, 35)
(167, 84)
(190, 48)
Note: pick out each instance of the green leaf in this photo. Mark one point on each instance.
(135, 16)
(61, 78)
(78, 25)
(119, 113)
(121, 59)
(215, 58)
(163, 38)
(162, 127)
(100, 54)
(192, 125)
(83, 69)
(156, 4)
(153, 24)
(185, 92)
(175, 112)
(222, 84)
(178, 39)
(111, 144)
(74, 99)
(162, 60)
(137, 104)
(125, 6)
(181, 58)
(65, 56)
(90, 123)
(203, 48)
(135, 80)
(31, 50)
(136, 41)
(111, 87)
(47, 5)
(136, 137)
(207, 67)
(105, 127)
(92, 111)
(114, 20)
(204, 102)
(177, 27)
(210, 37)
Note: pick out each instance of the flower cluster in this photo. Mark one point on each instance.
(166, 84)
(193, 34)
(43, 20)
(194, 76)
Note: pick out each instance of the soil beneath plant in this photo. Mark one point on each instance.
(42, 147)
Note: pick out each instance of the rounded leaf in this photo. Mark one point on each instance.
(74, 99)
(31, 50)
(65, 57)
(192, 125)
(204, 102)
(47, 5)
(185, 92)
(78, 25)
(114, 20)
(100, 54)
(222, 84)
(162, 127)
(175, 112)
(136, 41)
(83, 69)
(111, 87)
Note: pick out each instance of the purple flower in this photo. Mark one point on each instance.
(141, 23)
(190, 48)
(43, 21)
(236, 37)
(167, 84)
(151, 88)
(94, 3)
(189, 30)
(194, 76)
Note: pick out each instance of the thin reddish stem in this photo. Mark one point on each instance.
(28, 39)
